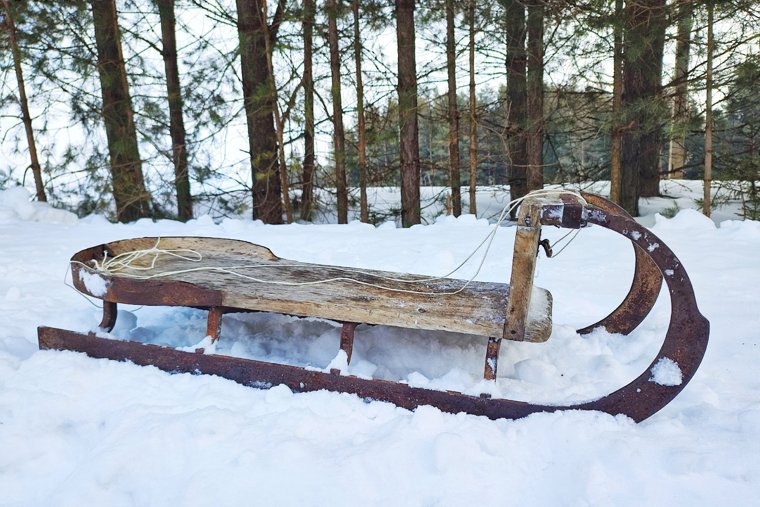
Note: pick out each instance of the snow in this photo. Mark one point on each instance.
(339, 362)
(15, 205)
(207, 345)
(94, 283)
(666, 372)
(80, 431)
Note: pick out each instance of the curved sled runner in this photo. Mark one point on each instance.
(227, 275)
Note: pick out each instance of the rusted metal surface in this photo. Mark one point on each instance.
(347, 339)
(492, 359)
(214, 323)
(346, 343)
(109, 316)
(684, 344)
(645, 287)
(263, 375)
(687, 336)
(147, 292)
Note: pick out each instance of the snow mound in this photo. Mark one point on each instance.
(690, 219)
(748, 228)
(15, 205)
(465, 220)
(81, 431)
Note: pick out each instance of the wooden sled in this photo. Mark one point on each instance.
(230, 275)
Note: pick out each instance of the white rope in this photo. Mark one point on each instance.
(574, 232)
(71, 286)
(119, 263)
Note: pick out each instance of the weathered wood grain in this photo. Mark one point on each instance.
(249, 276)
(527, 238)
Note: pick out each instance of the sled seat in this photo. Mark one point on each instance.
(236, 275)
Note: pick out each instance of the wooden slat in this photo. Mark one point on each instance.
(479, 308)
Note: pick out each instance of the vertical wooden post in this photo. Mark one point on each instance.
(523, 266)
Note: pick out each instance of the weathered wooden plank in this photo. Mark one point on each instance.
(249, 276)
(527, 238)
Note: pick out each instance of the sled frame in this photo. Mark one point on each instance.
(685, 341)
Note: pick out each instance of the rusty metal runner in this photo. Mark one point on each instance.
(685, 341)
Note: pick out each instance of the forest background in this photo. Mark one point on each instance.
(290, 111)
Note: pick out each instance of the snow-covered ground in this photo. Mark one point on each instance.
(80, 431)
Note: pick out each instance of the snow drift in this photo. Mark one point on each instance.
(75, 430)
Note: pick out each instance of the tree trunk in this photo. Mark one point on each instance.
(680, 116)
(259, 111)
(535, 92)
(427, 131)
(339, 138)
(707, 185)
(307, 193)
(642, 102)
(473, 113)
(453, 113)
(407, 105)
(176, 122)
(517, 96)
(132, 200)
(278, 121)
(361, 125)
(23, 102)
(617, 106)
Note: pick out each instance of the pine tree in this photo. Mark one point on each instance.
(10, 28)
(176, 120)
(535, 96)
(643, 108)
(132, 199)
(514, 24)
(407, 104)
(680, 113)
(307, 187)
(338, 131)
(360, 120)
(473, 110)
(453, 112)
(259, 104)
